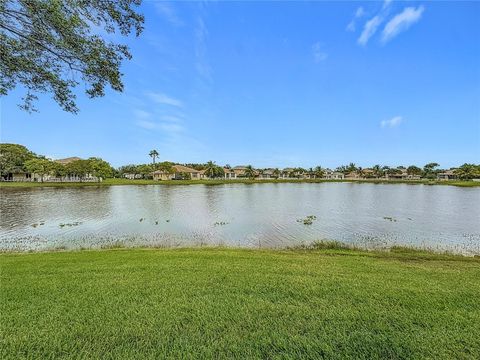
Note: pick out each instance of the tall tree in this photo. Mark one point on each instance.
(468, 172)
(378, 171)
(153, 154)
(13, 157)
(430, 170)
(276, 173)
(39, 167)
(52, 46)
(352, 167)
(212, 170)
(250, 172)
(80, 168)
(414, 170)
(319, 172)
(100, 168)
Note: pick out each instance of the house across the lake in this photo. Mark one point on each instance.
(333, 175)
(229, 174)
(17, 175)
(178, 172)
(447, 175)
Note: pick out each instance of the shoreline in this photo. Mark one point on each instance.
(123, 182)
(316, 246)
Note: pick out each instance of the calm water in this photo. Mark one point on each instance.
(259, 215)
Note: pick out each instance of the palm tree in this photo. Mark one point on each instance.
(153, 154)
(276, 173)
(319, 172)
(377, 170)
(211, 169)
(249, 172)
(352, 167)
(359, 171)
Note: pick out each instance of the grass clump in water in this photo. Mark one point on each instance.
(308, 220)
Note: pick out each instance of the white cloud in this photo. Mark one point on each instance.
(386, 4)
(318, 53)
(164, 99)
(358, 14)
(168, 12)
(393, 122)
(171, 128)
(149, 125)
(171, 119)
(167, 128)
(351, 26)
(202, 64)
(401, 22)
(141, 114)
(369, 29)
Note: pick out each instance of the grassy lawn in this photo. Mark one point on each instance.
(110, 182)
(229, 303)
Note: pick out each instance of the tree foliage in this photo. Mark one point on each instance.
(249, 172)
(17, 158)
(153, 154)
(13, 157)
(39, 166)
(51, 46)
(430, 170)
(468, 172)
(212, 170)
(414, 170)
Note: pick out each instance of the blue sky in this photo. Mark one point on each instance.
(280, 84)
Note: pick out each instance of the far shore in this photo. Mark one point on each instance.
(113, 182)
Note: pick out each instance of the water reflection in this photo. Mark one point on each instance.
(257, 215)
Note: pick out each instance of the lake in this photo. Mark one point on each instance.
(253, 215)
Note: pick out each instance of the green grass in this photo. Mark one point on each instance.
(110, 182)
(228, 303)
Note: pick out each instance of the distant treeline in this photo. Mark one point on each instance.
(17, 158)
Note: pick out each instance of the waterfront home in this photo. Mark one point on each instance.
(333, 175)
(402, 175)
(291, 173)
(447, 175)
(178, 172)
(17, 175)
(20, 175)
(367, 173)
(229, 174)
(267, 174)
(71, 177)
(132, 176)
(352, 175)
(240, 171)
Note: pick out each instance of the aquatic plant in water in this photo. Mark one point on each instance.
(76, 223)
(308, 220)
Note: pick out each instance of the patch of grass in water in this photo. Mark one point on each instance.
(308, 220)
(323, 245)
(76, 223)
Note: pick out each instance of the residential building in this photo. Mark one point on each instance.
(229, 174)
(447, 175)
(333, 175)
(178, 172)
